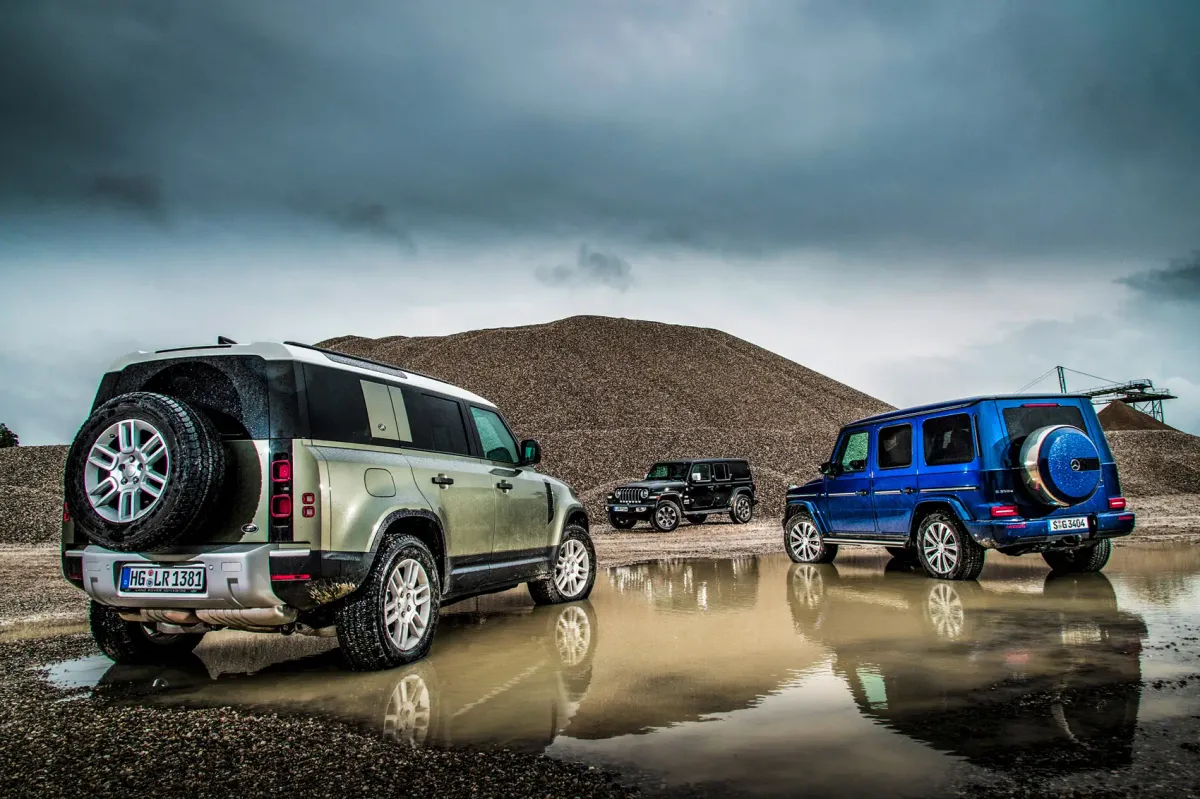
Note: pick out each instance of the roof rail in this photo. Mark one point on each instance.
(354, 359)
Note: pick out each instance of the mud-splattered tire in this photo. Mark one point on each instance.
(666, 516)
(946, 550)
(696, 518)
(133, 644)
(803, 541)
(574, 570)
(1085, 560)
(158, 443)
(380, 626)
(742, 509)
(621, 522)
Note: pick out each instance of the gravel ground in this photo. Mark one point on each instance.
(51, 748)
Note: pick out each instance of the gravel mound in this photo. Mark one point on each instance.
(1156, 462)
(31, 494)
(608, 397)
(1119, 416)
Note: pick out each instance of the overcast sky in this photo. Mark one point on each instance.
(921, 199)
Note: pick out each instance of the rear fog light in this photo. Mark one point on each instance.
(281, 506)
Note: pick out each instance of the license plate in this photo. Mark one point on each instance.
(1073, 523)
(163, 580)
(620, 509)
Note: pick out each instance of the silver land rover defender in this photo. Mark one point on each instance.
(286, 488)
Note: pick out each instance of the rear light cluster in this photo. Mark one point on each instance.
(280, 474)
(1116, 503)
(308, 500)
(66, 513)
(1005, 511)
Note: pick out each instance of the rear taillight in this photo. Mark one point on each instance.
(281, 490)
(1004, 511)
(1116, 503)
(72, 567)
(66, 513)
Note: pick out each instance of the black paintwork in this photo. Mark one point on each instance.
(695, 497)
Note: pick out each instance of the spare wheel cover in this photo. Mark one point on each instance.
(1060, 465)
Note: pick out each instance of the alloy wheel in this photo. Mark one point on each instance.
(741, 507)
(805, 540)
(666, 515)
(407, 604)
(127, 471)
(571, 570)
(940, 546)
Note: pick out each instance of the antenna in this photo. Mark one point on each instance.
(225, 341)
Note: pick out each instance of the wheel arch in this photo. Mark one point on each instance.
(805, 504)
(422, 525)
(923, 509)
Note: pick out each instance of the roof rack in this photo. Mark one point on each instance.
(366, 363)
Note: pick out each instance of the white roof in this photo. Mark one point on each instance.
(273, 351)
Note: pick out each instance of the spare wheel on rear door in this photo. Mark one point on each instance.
(1060, 465)
(144, 472)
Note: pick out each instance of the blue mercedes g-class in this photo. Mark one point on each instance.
(942, 483)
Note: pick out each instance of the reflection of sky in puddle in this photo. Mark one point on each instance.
(757, 672)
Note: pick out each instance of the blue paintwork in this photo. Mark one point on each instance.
(896, 498)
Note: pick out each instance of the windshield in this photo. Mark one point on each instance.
(667, 471)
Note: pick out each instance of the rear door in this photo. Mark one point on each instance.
(722, 486)
(701, 485)
(949, 457)
(895, 482)
(851, 510)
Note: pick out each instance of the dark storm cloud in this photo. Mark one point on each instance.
(1178, 282)
(591, 268)
(1024, 129)
(136, 192)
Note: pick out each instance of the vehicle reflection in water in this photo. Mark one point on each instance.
(510, 679)
(1009, 680)
(717, 673)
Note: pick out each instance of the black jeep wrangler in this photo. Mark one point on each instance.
(691, 489)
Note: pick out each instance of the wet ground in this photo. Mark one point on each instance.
(755, 676)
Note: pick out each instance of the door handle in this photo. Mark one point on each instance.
(443, 481)
(909, 490)
(504, 485)
(862, 492)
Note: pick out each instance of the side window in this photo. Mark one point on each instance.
(442, 428)
(739, 470)
(948, 440)
(720, 472)
(853, 454)
(337, 408)
(895, 446)
(701, 472)
(498, 443)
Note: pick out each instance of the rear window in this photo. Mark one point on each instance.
(442, 427)
(895, 446)
(1024, 420)
(739, 470)
(948, 440)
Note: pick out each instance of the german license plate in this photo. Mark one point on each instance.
(1073, 523)
(620, 509)
(163, 580)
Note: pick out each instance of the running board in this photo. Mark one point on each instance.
(866, 542)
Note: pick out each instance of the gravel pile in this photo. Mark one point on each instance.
(607, 397)
(1119, 416)
(88, 747)
(31, 494)
(1156, 462)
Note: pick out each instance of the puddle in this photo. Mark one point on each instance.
(852, 678)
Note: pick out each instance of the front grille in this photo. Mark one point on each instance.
(629, 494)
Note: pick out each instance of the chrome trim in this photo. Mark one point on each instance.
(845, 494)
(948, 488)
(888, 492)
(866, 542)
(1030, 471)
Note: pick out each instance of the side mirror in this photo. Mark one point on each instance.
(858, 465)
(826, 468)
(531, 452)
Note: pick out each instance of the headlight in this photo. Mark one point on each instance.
(645, 493)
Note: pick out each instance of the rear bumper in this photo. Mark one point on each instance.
(1036, 533)
(238, 576)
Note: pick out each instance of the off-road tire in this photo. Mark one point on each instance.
(907, 554)
(663, 525)
(970, 555)
(747, 514)
(361, 626)
(546, 591)
(696, 518)
(132, 644)
(196, 474)
(824, 553)
(1085, 560)
(621, 522)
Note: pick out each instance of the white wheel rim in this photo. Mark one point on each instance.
(126, 471)
(408, 711)
(808, 586)
(945, 611)
(805, 540)
(572, 636)
(407, 604)
(741, 507)
(666, 515)
(571, 570)
(940, 546)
